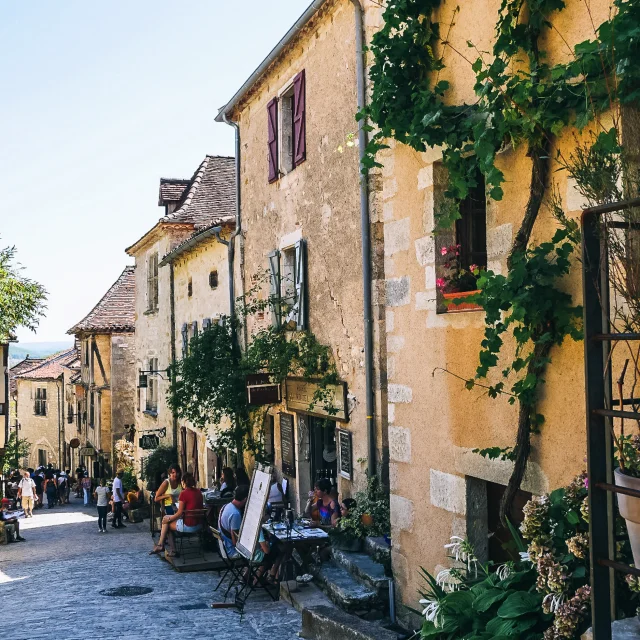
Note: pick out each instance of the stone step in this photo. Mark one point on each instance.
(346, 591)
(304, 597)
(365, 569)
(379, 550)
(329, 623)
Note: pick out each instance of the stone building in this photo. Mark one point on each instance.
(4, 391)
(41, 408)
(107, 383)
(301, 222)
(439, 486)
(191, 206)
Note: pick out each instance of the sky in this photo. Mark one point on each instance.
(98, 100)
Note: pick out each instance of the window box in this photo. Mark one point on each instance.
(460, 306)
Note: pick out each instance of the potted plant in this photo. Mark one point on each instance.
(627, 474)
(368, 517)
(457, 282)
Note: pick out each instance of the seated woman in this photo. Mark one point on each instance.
(190, 499)
(169, 491)
(321, 507)
(228, 485)
(346, 506)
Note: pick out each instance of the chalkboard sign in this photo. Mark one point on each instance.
(345, 468)
(287, 445)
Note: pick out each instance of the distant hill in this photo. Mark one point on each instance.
(19, 351)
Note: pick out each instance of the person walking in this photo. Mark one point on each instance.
(38, 478)
(86, 489)
(118, 500)
(102, 499)
(26, 492)
(62, 487)
(50, 489)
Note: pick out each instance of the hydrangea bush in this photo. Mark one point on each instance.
(542, 594)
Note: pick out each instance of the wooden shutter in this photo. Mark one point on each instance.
(272, 139)
(299, 125)
(274, 281)
(194, 328)
(185, 339)
(301, 285)
(206, 324)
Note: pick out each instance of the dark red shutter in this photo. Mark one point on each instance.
(272, 139)
(299, 128)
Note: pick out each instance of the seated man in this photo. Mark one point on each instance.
(8, 519)
(230, 519)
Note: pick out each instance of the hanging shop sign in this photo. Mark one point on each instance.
(301, 397)
(261, 391)
(87, 451)
(149, 441)
(345, 457)
(287, 445)
(74, 443)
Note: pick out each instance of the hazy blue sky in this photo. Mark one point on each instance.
(97, 101)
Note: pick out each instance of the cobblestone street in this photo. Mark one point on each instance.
(50, 588)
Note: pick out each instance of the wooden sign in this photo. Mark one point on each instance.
(301, 397)
(345, 457)
(287, 445)
(150, 441)
(87, 451)
(74, 443)
(261, 391)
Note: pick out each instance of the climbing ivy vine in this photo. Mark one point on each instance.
(520, 100)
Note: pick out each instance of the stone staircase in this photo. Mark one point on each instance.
(349, 597)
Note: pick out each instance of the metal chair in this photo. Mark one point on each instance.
(231, 565)
(200, 517)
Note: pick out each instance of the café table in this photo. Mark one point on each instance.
(299, 532)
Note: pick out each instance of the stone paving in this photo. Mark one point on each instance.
(49, 588)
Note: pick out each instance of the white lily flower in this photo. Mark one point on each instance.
(432, 611)
(524, 556)
(445, 580)
(503, 571)
(556, 600)
(462, 551)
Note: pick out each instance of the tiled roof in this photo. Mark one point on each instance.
(52, 367)
(198, 236)
(17, 369)
(211, 194)
(116, 311)
(171, 190)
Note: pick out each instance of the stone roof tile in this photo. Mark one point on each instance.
(116, 310)
(50, 368)
(171, 190)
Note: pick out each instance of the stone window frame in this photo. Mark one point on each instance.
(152, 283)
(285, 128)
(449, 237)
(40, 402)
(151, 400)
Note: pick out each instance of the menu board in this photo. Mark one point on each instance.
(345, 468)
(254, 511)
(287, 445)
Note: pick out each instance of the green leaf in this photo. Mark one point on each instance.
(519, 604)
(573, 517)
(484, 601)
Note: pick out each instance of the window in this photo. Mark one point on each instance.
(42, 457)
(471, 228)
(185, 339)
(499, 535)
(40, 408)
(213, 279)
(85, 348)
(152, 386)
(190, 288)
(70, 412)
(288, 296)
(92, 409)
(152, 282)
(286, 129)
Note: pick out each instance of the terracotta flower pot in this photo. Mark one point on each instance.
(461, 306)
(367, 520)
(630, 511)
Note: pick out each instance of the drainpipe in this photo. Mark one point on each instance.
(173, 345)
(366, 245)
(231, 255)
(61, 460)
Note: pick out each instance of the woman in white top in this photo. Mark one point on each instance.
(102, 499)
(169, 491)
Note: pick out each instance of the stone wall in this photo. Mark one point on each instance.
(437, 482)
(317, 201)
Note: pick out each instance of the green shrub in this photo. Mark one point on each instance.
(158, 462)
